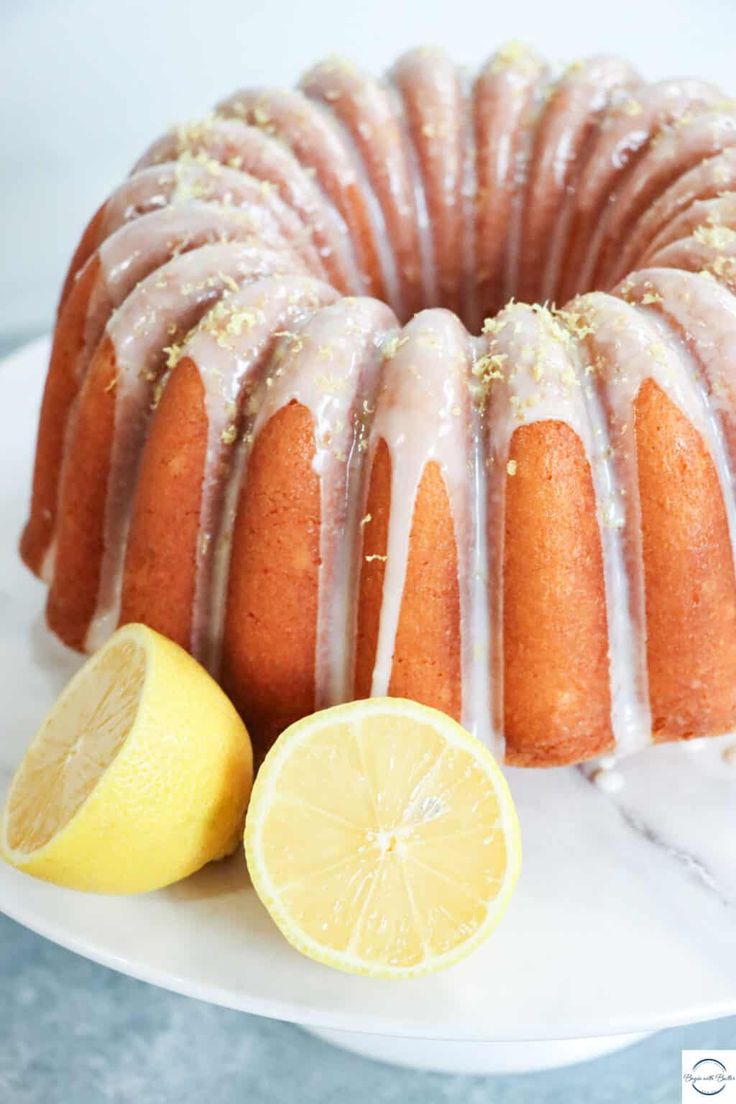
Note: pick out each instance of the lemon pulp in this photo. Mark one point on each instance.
(80, 739)
(382, 838)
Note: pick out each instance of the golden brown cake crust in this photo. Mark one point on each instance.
(82, 503)
(690, 585)
(374, 527)
(270, 624)
(556, 684)
(159, 579)
(61, 388)
(426, 661)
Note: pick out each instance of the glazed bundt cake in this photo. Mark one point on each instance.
(268, 433)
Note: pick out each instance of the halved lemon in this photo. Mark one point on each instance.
(382, 838)
(138, 776)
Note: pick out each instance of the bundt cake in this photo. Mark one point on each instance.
(267, 432)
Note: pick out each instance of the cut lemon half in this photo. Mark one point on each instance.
(382, 838)
(138, 776)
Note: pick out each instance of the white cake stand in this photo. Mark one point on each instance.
(624, 921)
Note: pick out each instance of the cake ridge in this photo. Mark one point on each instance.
(252, 318)
(245, 147)
(318, 141)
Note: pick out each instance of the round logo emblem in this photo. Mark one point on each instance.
(709, 1077)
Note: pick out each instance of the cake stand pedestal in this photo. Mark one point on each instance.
(624, 920)
(473, 1056)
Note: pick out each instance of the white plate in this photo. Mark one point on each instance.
(624, 920)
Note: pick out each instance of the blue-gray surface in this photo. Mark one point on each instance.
(72, 1032)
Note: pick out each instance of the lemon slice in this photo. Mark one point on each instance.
(382, 838)
(139, 775)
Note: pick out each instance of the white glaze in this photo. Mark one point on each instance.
(232, 347)
(137, 248)
(247, 148)
(468, 192)
(190, 180)
(628, 345)
(377, 219)
(155, 316)
(618, 356)
(610, 781)
(590, 87)
(432, 93)
(624, 135)
(499, 108)
(542, 376)
(702, 318)
(321, 143)
(371, 112)
(702, 215)
(710, 251)
(424, 230)
(428, 375)
(706, 179)
(330, 365)
(522, 157)
(142, 245)
(676, 148)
